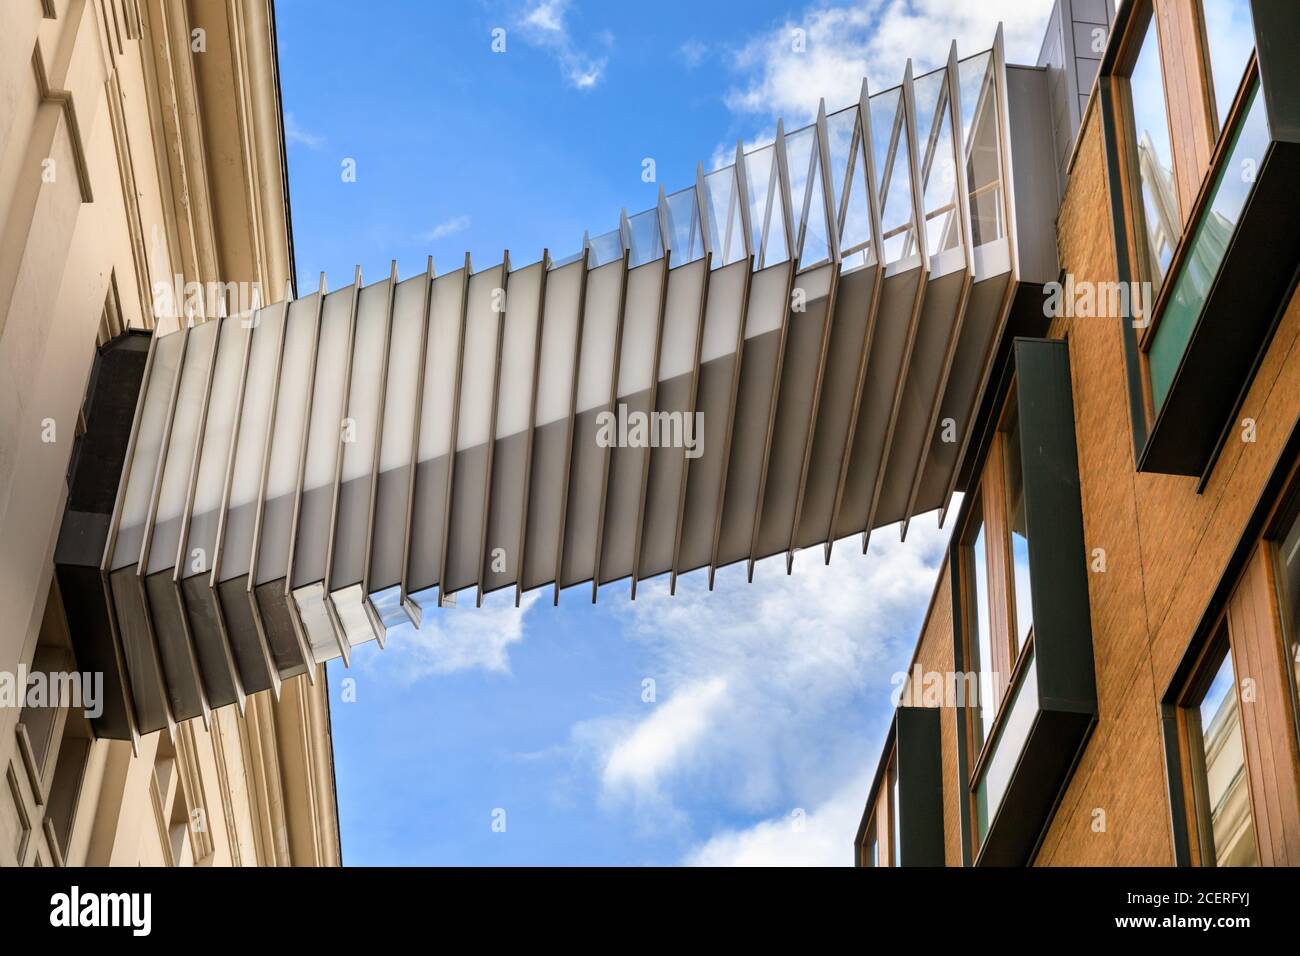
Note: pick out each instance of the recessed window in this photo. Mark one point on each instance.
(1234, 183)
(1287, 548)
(1018, 530)
(1218, 765)
(880, 835)
(997, 589)
(1160, 222)
(896, 840)
(1229, 41)
(980, 653)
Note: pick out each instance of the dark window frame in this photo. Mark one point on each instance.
(1064, 709)
(1217, 365)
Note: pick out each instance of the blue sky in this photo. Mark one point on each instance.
(769, 700)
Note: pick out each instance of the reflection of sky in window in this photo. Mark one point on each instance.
(1217, 697)
(1238, 176)
(898, 830)
(1151, 126)
(985, 663)
(1290, 551)
(1231, 36)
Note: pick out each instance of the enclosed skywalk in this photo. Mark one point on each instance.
(788, 352)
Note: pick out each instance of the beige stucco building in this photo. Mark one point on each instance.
(140, 141)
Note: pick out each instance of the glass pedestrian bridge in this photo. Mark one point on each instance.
(793, 348)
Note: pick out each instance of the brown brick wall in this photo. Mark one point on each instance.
(1166, 549)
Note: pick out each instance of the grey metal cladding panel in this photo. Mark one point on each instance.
(1054, 522)
(245, 641)
(204, 514)
(362, 423)
(278, 625)
(400, 420)
(235, 541)
(767, 306)
(474, 424)
(974, 344)
(1035, 183)
(836, 411)
(722, 328)
(216, 665)
(596, 363)
(803, 352)
(514, 406)
(147, 451)
(889, 341)
(143, 670)
(550, 448)
(920, 786)
(636, 374)
(181, 448)
(676, 367)
(939, 314)
(176, 655)
(291, 410)
(441, 356)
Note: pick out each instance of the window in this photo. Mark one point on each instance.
(1203, 206)
(997, 588)
(896, 835)
(871, 851)
(23, 822)
(1159, 222)
(879, 835)
(1206, 249)
(1022, 623)
(1287, 552)
(1229, 42)
(1235, 761)
(903, 822)
(1217, 757)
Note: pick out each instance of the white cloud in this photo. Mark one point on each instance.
(544, 24)
(448, 227)
(293, 133)
(760, 685)
(454, 639)
(842, 44)
(659, 742)
(820, 836)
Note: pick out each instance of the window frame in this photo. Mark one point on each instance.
(1195, 776)
(1259, 660)
(1038, 738)
(1010, 657)
(910, 771)
(1142, 24)
(1219, 361)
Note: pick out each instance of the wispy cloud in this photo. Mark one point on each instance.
(759, 685)
(454, 639)
(815, 836)
(545, 25)
(293, 133)
(826, 50)
(693, 52)
(448, 227)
